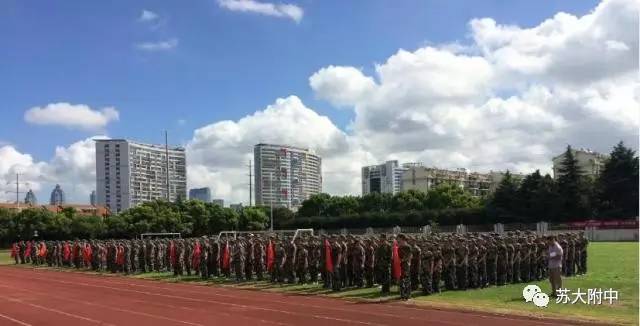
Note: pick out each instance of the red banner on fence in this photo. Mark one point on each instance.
(607, 224)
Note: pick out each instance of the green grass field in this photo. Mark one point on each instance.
(611, 265)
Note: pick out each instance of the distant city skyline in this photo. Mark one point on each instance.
(489, 85)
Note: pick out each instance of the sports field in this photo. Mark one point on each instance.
(611, 265)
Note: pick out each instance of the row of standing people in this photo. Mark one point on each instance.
(430, 263)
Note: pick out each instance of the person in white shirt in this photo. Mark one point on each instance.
(555, 264)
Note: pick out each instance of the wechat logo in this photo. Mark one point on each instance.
(533, 293)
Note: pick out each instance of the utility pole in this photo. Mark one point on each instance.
(17, 191)
(250, 183)
(166, 150)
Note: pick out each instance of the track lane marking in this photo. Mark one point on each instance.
(107, 307)
(15, 320)
(349, 321)
(369, 313)
(10, 299)
(186, 289)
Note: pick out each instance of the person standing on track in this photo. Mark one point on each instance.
(555, 253)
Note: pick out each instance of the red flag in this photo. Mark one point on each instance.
(226, 258)
(270, 256)
(328, 257)
(66, 251)
(195, 260)
(43, 250)
(120, 256)
(14, 250)
(395, 261)
(27, 252)
(87, 253)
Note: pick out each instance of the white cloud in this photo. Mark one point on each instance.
(72, 167)
(513, 102)
(166, 45)
(148, 16)
(341, 85)
(511, 99)
(290, 11)
(71, 115)
(218, 152)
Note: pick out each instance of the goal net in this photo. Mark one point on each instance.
(161, 235)
(290, 234)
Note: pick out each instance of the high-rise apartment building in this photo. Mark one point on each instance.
(129, 173)
(286, 175)
(202, 194)
(590, 163)
(30, 198)
(57, 196)
(382, 178)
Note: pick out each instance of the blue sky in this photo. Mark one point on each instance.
(359, 82)
(226, 64)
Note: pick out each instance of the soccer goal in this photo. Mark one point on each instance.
(302, 233)
(293, 234)
(161, 235)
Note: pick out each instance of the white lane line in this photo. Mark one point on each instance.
(15, 320)
(349, 321)
(185, 288)
(111, 308)
(324, 308)
(58, 311)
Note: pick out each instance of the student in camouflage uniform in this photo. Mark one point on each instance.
(449, 268)
(437, 267)
(482, 264)
(338, 264)
(280, 261)
(426, 268)
(315, 252)
(383, 264)
(462, 267)
(301, 261)
(369, 262)
(584, 243)
(405, 252)
(357, 261)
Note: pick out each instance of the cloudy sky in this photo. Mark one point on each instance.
(485, 85)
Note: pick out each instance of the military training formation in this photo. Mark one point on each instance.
(426, 263)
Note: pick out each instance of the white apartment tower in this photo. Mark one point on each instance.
(590, 163)
(382, 178)
(285, 176)
(130, 173)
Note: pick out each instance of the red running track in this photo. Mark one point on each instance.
(46, 297)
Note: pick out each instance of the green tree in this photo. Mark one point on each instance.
(503, 202)
(195, 211)
(376, 202)
(617, 186)
(448, 195)
(525, 199)
(316, 205)
(408, 200)
(546, 201)
(573, 189)
(253, 219)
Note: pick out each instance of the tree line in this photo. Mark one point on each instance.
(573, 195)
